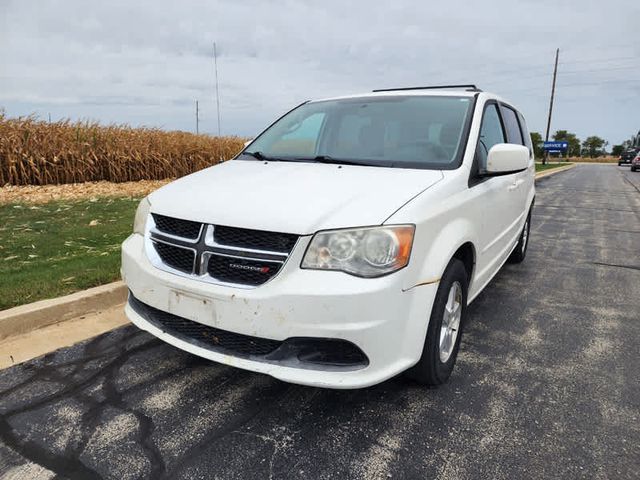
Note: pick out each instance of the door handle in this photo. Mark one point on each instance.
(516, 184)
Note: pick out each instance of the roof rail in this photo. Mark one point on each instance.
(469, 87)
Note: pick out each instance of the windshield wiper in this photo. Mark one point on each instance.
(261, 156)
(342, 161)
(319, 159)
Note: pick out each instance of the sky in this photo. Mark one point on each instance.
(147, 62)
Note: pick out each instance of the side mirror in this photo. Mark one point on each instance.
(507, 157)
(246, 144)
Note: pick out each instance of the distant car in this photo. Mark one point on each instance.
(627, 157)
(635, 163)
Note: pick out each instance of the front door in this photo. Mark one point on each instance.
(496, 194)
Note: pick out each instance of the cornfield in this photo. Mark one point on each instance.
(35, 152)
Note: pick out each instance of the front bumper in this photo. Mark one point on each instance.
(386, 323)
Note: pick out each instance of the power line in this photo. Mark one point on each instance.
(622, 82)
(564, 73)
(486, 74)
(603, 60)
(519, 72)
(215, 67)
(605, 69)
(619, 81)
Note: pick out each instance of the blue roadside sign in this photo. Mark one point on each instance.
(555, 146)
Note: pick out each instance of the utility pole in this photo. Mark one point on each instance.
(197, 119)
(553, 92)
(215, 67)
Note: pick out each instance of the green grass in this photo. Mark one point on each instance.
(60, 247)
(540, 167)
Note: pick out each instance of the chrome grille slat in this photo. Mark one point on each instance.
(210, 240)
(214, 262)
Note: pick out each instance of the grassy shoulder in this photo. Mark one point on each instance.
(60, 247)
(550, 166)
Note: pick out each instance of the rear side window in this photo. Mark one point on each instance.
(491, 133)
(514, 135)
(525, 133)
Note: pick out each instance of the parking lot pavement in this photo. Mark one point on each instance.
(547, 383)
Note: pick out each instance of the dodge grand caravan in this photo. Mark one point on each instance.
(342, 246)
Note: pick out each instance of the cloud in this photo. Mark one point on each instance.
(146, 62)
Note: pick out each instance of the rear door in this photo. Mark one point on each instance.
(530, 174)
(521, 181)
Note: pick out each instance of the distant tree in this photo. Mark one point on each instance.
(617, 150)
(573, 149)
(593, 146)
(536, 141)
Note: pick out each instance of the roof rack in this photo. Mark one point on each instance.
(470, 87)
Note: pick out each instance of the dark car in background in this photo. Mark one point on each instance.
(628, 155)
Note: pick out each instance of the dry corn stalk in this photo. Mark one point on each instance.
(35, 152)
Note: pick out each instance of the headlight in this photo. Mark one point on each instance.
(364, 252)
(141, 216)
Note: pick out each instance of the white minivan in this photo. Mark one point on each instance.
(342, 246)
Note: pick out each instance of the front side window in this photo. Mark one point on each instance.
(491, 133)
(393, 131)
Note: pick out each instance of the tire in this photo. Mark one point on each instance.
(520, 252)
(436, 363)
(619, 164)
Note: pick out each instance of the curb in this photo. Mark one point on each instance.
(553, 171)
(25, 318)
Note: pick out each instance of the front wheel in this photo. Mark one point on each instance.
(445, 328)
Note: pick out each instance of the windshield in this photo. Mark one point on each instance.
(392, 131)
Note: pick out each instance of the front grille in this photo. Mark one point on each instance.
(204, 335)
(241, 270)
(218, 254)
(254, 239)
(176, 257)
(177, 227)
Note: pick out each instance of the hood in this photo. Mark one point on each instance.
(289, 197)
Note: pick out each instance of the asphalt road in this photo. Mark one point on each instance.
(547, 384)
